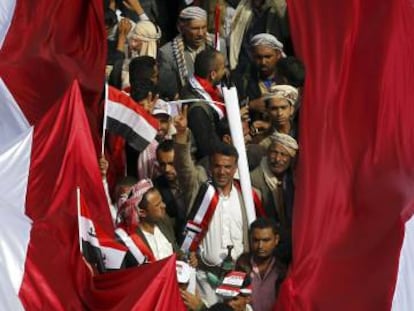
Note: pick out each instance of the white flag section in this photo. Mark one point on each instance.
(6, 14)
(13, 123)
(15, 151)
(233, 114)
(128, 119)
(403, 299)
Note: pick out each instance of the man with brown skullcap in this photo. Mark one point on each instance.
(177, 56)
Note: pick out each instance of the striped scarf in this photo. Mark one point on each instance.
(178, 52)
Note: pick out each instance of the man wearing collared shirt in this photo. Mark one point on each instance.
(266, 270)
(228, 223)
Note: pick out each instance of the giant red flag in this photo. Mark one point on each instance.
(52, 58)
(353, 217)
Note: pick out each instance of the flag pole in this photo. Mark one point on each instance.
(104, 119)
(217, 27)
(78, 203)
(233, 115)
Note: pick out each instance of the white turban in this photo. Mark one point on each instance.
(269, 40)
(287, 141)
(193, 12)
(284, 91)
(149, 34)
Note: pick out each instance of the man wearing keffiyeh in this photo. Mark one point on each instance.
(142, 213)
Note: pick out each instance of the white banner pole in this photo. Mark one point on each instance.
(233, 114)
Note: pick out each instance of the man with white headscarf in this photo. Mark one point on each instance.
(265, 52)
(274, 179)
(280, 108)
(253, 17)
(142, 41)
(177, 56)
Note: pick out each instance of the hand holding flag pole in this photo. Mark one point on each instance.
(236, 131)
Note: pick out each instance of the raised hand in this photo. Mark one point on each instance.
(180, 124)
(103, 166)
(124, 27)
(180, 121)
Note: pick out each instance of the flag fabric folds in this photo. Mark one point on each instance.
(52, 61)
(98, 246)
(128, 119)
(355, 178)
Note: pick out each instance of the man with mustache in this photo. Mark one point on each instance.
(265, 52)
(274, 179)
(177, 57)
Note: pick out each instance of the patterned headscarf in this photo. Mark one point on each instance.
(284, 91)
(128, 205)
(149, 34)
(287, 141)
(268, 40)
(193, 12)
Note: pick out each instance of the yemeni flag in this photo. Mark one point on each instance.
(50, 79)
(100, 248)
(353, 228)
(128, 119)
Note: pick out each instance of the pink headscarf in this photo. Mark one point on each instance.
(128, 206)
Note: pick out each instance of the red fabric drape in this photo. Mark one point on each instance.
(55, 276)
(355, 179)
(52, 61)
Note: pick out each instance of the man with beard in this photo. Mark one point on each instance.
(262, 264)
(273, 177)
(203, 117)
(177, 57)
(266, 50)
(253, 17)
(167, 184)
(218, 217)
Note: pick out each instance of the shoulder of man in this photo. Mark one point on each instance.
(167, 229)
(256, 174)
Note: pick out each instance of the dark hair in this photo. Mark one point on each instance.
(124, 181)
(264, 223)
(168, 87)
(110, 18)
(292, 69)
(205, 62)
(144, 202)
(224, 149)
(141, 88)
(223, 128)
(141, 67)
(166, 146)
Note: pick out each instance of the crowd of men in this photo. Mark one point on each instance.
(182, 194)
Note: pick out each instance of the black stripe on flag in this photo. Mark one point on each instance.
(134, 140)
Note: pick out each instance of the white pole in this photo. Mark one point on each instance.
(104, 119)
(236, 130)
(79, 218)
